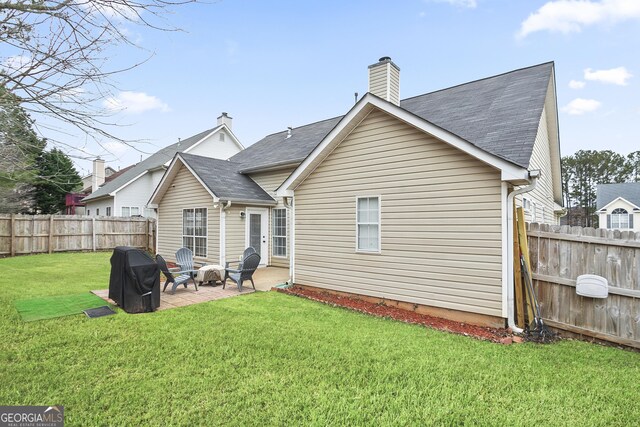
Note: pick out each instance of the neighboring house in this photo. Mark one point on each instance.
(406, 200)
(128, 194)
(97, 175)
(619, 206)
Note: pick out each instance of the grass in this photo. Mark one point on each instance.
(273, 359)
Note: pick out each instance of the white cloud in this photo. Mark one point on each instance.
(135, 103)
(616, 76)
(569, 16)
(471, 4)
(576, 84)
(580, 106)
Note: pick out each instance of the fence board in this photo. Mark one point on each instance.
(32, 234)
(564, 253)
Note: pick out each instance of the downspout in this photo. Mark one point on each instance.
(534, 175)
(288, 204)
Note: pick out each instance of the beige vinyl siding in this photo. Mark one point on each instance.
(378, 81)
(186, 192)
(542, 195)
(235, 233)
(270, 181)
(394, 80)
(440, 220)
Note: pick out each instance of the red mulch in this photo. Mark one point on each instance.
(488, 334)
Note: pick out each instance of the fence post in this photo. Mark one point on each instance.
(13, 234)
(50, 233)
(93, 233)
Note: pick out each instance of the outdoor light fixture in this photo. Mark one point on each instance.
(242, 214)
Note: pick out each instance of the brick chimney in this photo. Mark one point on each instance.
(224, 119)
(384, 80)
(97, 178)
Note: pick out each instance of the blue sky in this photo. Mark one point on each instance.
(276, 64)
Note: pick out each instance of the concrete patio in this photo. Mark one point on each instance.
(264, 278)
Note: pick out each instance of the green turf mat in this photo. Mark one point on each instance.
(56, 306)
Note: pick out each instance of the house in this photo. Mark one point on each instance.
(127, 195)
(99, 175)
(618, 206)
(403, 200)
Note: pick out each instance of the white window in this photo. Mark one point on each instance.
(130, 211)
(534, 213)
(279, 219)
(97, 211)
(619, 218)
(149, 212)
(194, 230)
(526, 204)
(88, 212)
(108, 210)
(368, 224)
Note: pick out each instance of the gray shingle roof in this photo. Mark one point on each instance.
(498, 114)
(609, 192)
(225, 181)
(277, 149)
(155, 160)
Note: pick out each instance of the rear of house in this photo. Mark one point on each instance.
(407, 201)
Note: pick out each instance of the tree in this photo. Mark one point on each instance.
(634, 166)
(56, 178)
(20, 148)
(56, 56)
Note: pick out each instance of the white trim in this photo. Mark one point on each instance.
(160, 188)
(506, 241)
(223, 235)
(264, 225)
(364, 251)
(292, 253)
(158, 232)
(368, 103)
(388, 91)
(206, 218)
(603, 209)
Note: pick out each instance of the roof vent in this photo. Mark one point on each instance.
(289, 131)
(384, 80)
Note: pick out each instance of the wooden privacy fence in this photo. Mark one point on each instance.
(34, 234)
(559, 254)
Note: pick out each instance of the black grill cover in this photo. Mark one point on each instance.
(135, 280)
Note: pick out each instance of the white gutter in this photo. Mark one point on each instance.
(292, 229)
(534, 175)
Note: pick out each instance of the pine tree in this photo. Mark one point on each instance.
(56, 177)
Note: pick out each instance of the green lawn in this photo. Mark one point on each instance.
(273, 359)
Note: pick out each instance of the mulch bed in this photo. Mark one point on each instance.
(487, 334)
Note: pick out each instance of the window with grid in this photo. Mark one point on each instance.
(620, 218)
(279, 232)
(368, 224)
(108, 210)
(194, 230)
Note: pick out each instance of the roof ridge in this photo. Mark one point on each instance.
(479, 80)
(298, 127)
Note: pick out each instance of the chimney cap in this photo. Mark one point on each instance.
(223, 114)
(384, 60)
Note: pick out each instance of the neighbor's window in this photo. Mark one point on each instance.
(88, 212)
(526, 204)
(108, 210)
(619, 218)
(130, 211)
(97, 211)
(135, 211)
(126, 211)
(368, 224)
(194, 230)
(279, 232)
